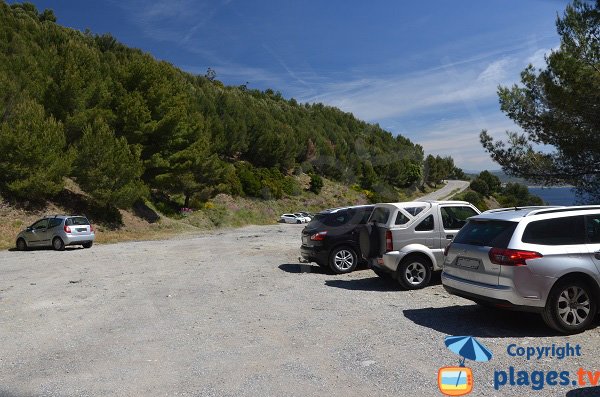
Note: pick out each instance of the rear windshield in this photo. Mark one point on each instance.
(486, 233)
(77, 220)
(333, 219)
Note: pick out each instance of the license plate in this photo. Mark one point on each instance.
(81, 229)
(469, 263)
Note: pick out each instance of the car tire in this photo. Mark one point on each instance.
(571, 307)
(414, 272)
(58, 244)
(342, 260)
(88, 245)
(298, 221)
(21, 245)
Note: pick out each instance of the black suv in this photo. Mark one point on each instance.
(331, 238)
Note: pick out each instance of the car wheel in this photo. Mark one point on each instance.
(571, 307)
(414, 273)
(87, 245)
(342, 260)
(298, 221)
(58, 244)
(21, 245)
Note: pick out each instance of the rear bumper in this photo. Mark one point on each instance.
(496, 295)
(316, 254)
(71, 239)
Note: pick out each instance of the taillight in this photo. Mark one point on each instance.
(91, 229)
(67, 229)
(319, 236)
(389, 245)
(447, 249)
(508, 257)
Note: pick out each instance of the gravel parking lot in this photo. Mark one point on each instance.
(234, 314)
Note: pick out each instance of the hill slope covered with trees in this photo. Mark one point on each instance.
(126, 126)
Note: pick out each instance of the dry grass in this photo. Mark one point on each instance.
(222, 211)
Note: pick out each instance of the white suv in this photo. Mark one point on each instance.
(407, 240)
(544, 260)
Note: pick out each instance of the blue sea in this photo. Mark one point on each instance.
(555, 195)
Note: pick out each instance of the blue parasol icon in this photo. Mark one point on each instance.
(468, 347)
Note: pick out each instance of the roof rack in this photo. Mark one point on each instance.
(531, 207)
(565, 209)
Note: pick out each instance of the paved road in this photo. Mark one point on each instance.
(451, 188)
(234, 314)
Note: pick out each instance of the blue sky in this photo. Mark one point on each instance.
(428, 70)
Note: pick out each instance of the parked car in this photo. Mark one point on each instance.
(331, 238)
(305, 218)
(307, 215)
(406, 240)
(291, 218)
(57, 232)
(544, 260)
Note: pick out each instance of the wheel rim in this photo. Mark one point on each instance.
(573, 306)
(57, 243)
(343, 260)
(415, 273)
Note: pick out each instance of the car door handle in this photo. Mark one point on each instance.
(449, 236)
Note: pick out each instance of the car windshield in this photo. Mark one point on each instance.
(486, 233)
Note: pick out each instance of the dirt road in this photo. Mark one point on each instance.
(450, 189)
(234, 314)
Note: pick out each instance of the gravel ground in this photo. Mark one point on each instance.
(235, 314)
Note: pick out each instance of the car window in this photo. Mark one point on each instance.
(401, 219)
(456, 217)
(380, 215)
(414, 211)
(76, 221)
(337, 218)
(425, 225)
(559, 231)
(41, 224)
(486, 233)
(365, 215)
(54, 222)
(592, 227)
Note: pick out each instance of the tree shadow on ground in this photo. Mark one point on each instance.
(79, 204)
(476, 320)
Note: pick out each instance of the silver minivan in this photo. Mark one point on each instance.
(544, 260)
(57, 232)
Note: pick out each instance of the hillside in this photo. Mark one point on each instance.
(127, 127)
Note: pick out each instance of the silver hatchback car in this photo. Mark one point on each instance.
(57, 232)
(545, 260)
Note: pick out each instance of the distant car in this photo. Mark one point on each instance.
(291, 218)
(543, 260)
(305, 217)
(331, 238)
(57, 232)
